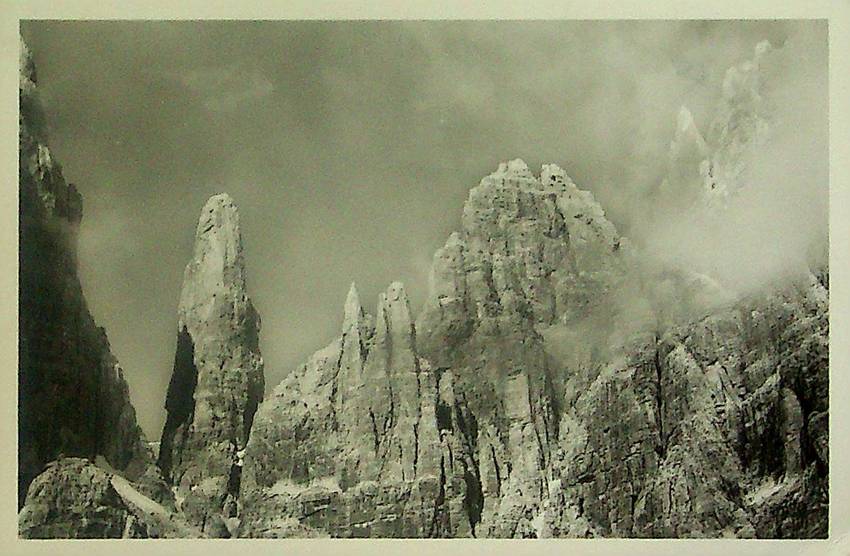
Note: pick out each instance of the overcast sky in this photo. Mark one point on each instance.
(348, 146)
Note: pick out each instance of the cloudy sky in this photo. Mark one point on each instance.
(348, 146)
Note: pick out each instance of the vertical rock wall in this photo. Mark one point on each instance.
(72, 396)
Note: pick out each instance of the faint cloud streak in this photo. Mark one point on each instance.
(225, 89)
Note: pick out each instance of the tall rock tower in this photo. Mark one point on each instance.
(217, 381)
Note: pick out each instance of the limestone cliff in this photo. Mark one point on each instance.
(348, 444)
(559, 383)
(549, 389)
(72, 396)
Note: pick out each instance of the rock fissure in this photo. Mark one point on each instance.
(659, 399)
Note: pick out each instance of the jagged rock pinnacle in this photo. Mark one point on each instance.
(217, 381)
(396, 309)
(353, 310)
(516, 168)
(217, 265)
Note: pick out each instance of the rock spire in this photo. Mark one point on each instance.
(217, 381)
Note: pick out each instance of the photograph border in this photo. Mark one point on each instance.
(837, 12)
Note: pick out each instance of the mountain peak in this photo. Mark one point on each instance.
(516, 168)
(353, 309)
(220, 212)
(217, 381)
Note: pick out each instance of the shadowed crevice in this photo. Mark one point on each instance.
(180, 399)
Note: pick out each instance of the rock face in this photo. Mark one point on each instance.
(348, 444)
(72, 396)
(217, 381)
(547, 389)
(74, 498)
(685, 435)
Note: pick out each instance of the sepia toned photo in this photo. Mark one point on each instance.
(424, 279)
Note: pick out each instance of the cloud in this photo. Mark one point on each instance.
(225, 89)
(776, 225)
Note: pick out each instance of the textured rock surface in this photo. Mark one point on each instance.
(217, 381)
(74, 498)
(548, 389)
(348, 444)
(72, 396)
(683, 438)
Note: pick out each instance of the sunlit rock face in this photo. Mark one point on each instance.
(72, 396)
(449, 421)
(217, 381)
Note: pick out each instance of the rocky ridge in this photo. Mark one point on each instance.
(514, 418)
(555, 384)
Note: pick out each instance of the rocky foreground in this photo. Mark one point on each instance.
(556, 383)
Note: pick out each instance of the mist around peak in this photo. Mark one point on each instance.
(756, 209)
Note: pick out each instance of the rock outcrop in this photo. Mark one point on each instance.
(217, 381)
(72, 396)
(74, 498)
